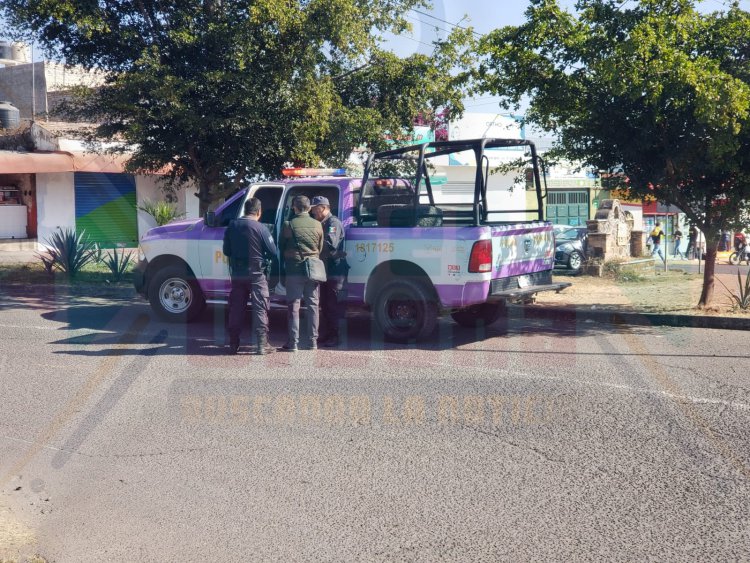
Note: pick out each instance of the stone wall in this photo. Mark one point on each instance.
(609, 232)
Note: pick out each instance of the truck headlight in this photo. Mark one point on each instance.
(141, 254)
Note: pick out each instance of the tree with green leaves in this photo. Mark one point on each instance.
(652, 91)
(222, 91)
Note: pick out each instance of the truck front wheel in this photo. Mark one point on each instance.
(405, 310)
(174, 294)
(478, 315)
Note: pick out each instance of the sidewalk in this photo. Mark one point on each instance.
(17, 256)
(666, 298)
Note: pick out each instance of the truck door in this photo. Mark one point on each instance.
(270, 201)
(214, 276)
(285, 212)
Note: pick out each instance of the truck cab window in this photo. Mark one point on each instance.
(231, 211)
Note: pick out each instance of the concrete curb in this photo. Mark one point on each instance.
(575, 314)
(83, 290)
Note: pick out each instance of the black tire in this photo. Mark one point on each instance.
(575, 261)
(175, 295)
(478, 315)
(734, 258)
(405, 310)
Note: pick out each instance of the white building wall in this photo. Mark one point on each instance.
(504, 191)
(56, 203)
(149, 188)
(146, 188)
(191, 203)
(55, 198)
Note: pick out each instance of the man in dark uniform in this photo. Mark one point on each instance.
(248, 244)
(332, 297)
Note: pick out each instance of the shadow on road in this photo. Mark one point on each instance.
(207, 336)
(107, 325)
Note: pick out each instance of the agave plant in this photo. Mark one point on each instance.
(162, 211)
(742, 298)
(68, 251)
(118, 263)
(48, 262)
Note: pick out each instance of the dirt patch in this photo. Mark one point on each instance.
(16, 540)
(674, 292)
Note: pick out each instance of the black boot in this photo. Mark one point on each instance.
(263, 347)
(234, 344)
(332, 341)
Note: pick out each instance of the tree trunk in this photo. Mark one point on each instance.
(204, 196)
(708, 273)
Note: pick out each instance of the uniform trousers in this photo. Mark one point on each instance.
(254, 287)
(299, 288)
(332, 305)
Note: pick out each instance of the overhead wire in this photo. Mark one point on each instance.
(446, 22)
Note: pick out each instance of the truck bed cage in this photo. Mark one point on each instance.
(477, 212)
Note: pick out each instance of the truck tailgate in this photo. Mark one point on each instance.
(523, 248)
(523, 260)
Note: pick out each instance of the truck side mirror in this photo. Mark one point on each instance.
(210, 219)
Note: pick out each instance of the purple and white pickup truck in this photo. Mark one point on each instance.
(410, 256)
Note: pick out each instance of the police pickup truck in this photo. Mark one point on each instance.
(411, 256)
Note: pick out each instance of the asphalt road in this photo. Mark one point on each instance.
(126, 439)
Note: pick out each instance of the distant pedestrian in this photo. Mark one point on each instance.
(332, 298)
(677, 241)
(301, 237)
(249, 245)
(656, 236)
(724, 241)
(691, 251)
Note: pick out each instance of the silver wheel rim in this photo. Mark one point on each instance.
(575, 261)
(175, 295)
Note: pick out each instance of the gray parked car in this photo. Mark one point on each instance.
(570, 246)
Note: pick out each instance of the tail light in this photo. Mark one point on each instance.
(481, 257)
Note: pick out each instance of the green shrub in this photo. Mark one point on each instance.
(611, 268)
(118, 263)
(741, 299)
(68, 251)
(162, 211)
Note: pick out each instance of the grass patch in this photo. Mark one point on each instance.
(34, 273)
(628, 276)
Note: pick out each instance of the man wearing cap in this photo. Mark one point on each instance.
(332, 297)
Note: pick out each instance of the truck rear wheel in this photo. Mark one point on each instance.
(478, 315)
(175, 295)
(405, 310)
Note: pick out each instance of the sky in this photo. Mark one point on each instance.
(482, 16)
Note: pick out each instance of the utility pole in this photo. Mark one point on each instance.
(33, 84)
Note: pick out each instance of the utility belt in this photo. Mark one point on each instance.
(245, 267)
